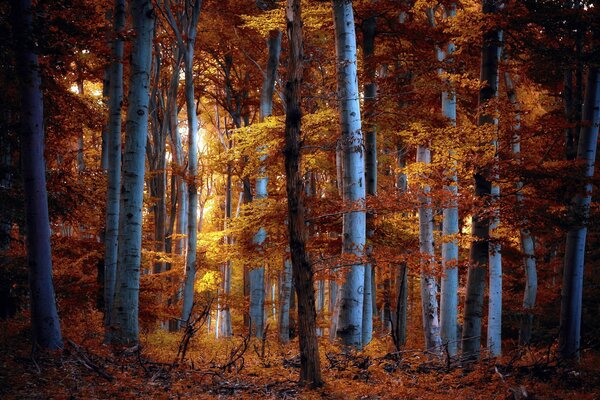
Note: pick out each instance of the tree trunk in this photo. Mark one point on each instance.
(257, 276)
(572, 289)
(188, 57)
(113, 150)
(370, 90)
(479, 253)
(224, 317)
(431, 326)
(354, 230)
(310, 368)
(285, 293)
(124, 319)
(449, 281)
(44, 316)
(527, 240)
(399, 328)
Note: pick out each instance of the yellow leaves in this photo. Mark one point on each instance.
(210, 281)
(266, 20)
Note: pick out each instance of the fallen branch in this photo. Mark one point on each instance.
(82, 357)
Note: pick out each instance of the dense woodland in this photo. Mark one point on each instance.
(299, 198)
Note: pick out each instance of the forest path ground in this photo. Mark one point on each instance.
(87, 369)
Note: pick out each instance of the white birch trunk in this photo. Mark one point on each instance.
(257, 276)
(354, 222)
(124, 320)
(572, 289)
(494, 328)
(113, 155)
(431, 326)
(449, 281)
(370, 94)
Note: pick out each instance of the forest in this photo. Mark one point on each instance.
(278, 199)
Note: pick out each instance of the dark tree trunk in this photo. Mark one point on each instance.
(44, 316)
(478, 257)
(310, 369)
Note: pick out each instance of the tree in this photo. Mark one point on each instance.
(310, 368)
(370, 90)
(479, 253)
(257, 276)
(449, 281)
(526, 239)
(572, 289)
(124, 318)
(349, 327)
(113, 156)
(186, 40)
(44, 316)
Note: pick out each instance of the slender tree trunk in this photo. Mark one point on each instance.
(257, 276)
(527, 240)
(398, 321)
(449, 281)
(124, 319)
(80, 155)
(431, 327)
(494, 327)
(156, 155)
(354, 222)
(572, 289)
(310, 368)
(268, 86)
(44, 316)
(188, 57)
(105, 97)
(370, 91)
(224, 318)
(285, 292)
(113, 150)
(478, 257)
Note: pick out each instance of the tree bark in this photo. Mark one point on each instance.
(370, 93)
(44, 315)
(113, 150)
(257, 276)
(124, 320)
(310, 369)
(479, 253)
(572, 289)
(349, 327)
(431, 326)
(449, 280)
(191, 28)
(285, 293)
(527, 241)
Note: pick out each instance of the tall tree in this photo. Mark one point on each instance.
(429, 303)
(113, 156)
(124, 318)
(370, 92)
(479, 253)
(186, 29)
(572, 289)
(449, 281)
(44, 316)
(257, 276)
(349, 327)
(310, 367)
(526, 238)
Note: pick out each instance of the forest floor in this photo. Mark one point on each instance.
(244, 368)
